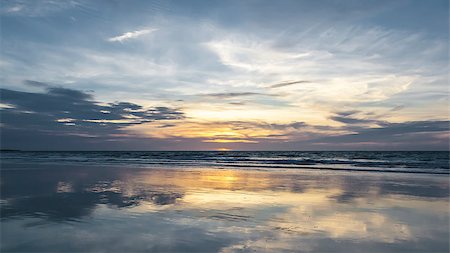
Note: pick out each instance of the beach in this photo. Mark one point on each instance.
(119, 208)
(292, 126)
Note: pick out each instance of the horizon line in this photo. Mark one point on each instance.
(17, 150)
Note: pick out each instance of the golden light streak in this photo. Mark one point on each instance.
(223, 149)
(221, 132)
(230, 141)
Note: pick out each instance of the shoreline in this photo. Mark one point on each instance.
(5, 167)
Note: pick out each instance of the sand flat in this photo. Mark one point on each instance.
(126, 209)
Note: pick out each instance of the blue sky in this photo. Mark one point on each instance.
(256, 75)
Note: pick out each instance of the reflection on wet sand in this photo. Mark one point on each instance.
(215, 210)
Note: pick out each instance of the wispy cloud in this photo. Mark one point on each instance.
(15, 8)
(232, 94)
(283, 84)
(397, 108)
(131, 35)
(39, 8)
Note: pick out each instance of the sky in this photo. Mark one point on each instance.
(224, 75)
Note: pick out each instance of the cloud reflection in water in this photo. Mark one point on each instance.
(204, 210)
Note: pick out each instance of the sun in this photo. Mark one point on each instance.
(223, 149)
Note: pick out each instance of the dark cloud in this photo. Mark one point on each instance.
(60, 103)
(413, 135)
(351, 120)
(294, 125)
(239, 125)
(166, 125)
(348, 117)
(68, 112)
(283, 84)
(233, 94)
(237, 103)
(346, 113)
(397, 108)
(35, 84)
(411, 127)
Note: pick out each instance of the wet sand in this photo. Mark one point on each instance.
(117, 209)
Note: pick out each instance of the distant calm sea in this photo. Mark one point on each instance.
(430, 162)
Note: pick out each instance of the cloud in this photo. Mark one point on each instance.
(283, 84)
(237, 103)
(292, 125)
(67, 112)
(36, 84)
(412, 135)
(347, 113)
(351, 120)
(38, 8)
(233, 94)
(15, 8)
(349, 65)
(397, 108)
(405, 128)
(61, 118)
(364, 65)
(131, 35)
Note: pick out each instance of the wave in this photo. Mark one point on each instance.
(400, 161)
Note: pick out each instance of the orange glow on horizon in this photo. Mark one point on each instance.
(212, 131)
(223, 149)
(230, 141)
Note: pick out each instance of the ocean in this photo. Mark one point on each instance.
(428, 162)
